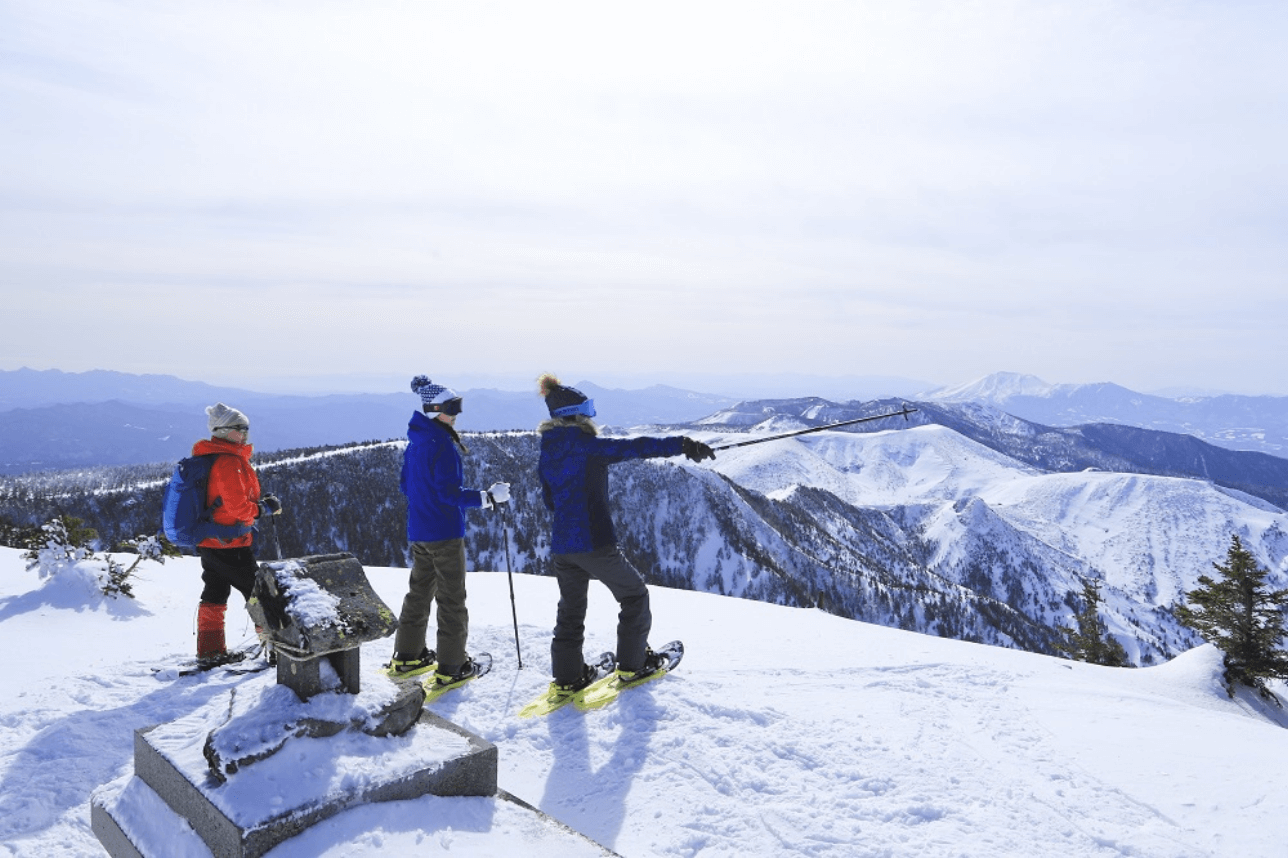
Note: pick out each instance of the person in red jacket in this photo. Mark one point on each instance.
(233, 491)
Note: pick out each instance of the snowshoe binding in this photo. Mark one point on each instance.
(558, 695)
(656, 665)
(445, 681)
(403, 668)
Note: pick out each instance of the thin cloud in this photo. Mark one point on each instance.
(699, 185)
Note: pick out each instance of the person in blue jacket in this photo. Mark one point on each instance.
(574, 484)
(432, 478)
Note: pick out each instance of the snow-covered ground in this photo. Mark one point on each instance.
(784, 732)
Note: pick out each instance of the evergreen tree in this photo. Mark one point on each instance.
(65, 541)
(116, 579)
(1242, 619)
(15, 535)
(1091, 641)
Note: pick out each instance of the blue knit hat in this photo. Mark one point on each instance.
(435, 397)
(564, 401)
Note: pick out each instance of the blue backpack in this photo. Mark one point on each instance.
(185, 518)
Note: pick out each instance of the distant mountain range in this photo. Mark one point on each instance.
(51, 420)
(1257, 423)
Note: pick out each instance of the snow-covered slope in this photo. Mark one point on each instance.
(1147, 535)
(1028, 538)
(891, 468)
(785, 732)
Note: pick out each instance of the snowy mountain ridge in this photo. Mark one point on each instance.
(1254, 423)
(51, 420)
(1146, 538)
(996, 388)
(1109, 447)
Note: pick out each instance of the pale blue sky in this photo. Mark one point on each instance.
(1085, 191)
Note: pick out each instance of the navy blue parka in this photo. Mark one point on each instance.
(574, 482)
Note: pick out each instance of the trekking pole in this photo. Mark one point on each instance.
(514, 609)
(272, 529)
(905, 411)
(272, 533)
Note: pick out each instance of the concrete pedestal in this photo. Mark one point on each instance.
(237, 832)
(267, 763)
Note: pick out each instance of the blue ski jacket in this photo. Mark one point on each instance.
(574, 482)
(431, 479)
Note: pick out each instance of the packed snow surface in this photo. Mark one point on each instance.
(785, 732)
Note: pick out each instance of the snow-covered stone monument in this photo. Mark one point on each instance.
(262, 762)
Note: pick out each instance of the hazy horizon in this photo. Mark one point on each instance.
(246, 192)
(747, 386)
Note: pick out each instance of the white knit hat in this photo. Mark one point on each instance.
(434, 397)
(220, 418)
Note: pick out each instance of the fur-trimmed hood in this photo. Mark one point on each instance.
(581, 421)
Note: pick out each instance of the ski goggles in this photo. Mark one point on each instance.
(451, 407)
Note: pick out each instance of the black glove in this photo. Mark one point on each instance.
(696, 450)
(269, 505)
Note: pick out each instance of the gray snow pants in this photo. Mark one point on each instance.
(574, 572)
(437, 574)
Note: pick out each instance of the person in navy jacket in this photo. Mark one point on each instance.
(573, 467)
(432, 478)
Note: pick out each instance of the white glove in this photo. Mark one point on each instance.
(499, 493)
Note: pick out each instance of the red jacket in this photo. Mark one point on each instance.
(233, 480)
